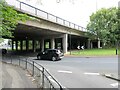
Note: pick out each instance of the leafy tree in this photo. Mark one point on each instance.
(104, 24)
(1, 40)
(9, 19)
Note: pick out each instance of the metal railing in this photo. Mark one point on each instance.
(45, 15)
(42, 77)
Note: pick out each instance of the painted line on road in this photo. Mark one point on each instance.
(87, 73)
(61, 71)
(108, 75)
(114, 84)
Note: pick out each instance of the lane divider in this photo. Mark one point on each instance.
(87, 73)
(61, 71)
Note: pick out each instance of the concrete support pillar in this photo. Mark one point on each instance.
(42, 44)
(39, 45)
(78, 42)
(27, 47)
(12, 44)
(52, 43)
(21, 45)
(65, 42)
(33, 44)
(89, 44)
(16, 45)
(98, 43)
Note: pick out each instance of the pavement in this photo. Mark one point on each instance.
(15, 77)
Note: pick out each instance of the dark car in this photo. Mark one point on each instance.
(52, 54)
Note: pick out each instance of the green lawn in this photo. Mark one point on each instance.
(94, 52)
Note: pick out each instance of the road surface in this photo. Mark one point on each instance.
(83, 72)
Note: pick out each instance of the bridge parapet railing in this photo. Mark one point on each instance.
(40, 75)
(45, 15)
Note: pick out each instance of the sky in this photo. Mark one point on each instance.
(76, 11)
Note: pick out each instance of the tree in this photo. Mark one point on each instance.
(1, 40)
(9, 19)
(104, 24)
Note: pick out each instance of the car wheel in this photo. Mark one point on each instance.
(39, 57)
(53, 58)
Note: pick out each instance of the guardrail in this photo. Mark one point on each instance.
(45, 15)
(42, 77)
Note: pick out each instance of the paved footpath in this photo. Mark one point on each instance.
(12, 76)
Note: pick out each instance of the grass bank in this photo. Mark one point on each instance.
(94, 52)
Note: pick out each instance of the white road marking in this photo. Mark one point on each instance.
(61, 71)
(91, 73)
(114, 84)
(108, 75)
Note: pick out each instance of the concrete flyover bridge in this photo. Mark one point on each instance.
(45, 30)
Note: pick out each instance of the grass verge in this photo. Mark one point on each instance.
(94, 52)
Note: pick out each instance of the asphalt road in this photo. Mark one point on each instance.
(83, 72)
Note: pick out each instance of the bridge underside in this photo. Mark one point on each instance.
(32, 37)
(24, 31)
(37, 39)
